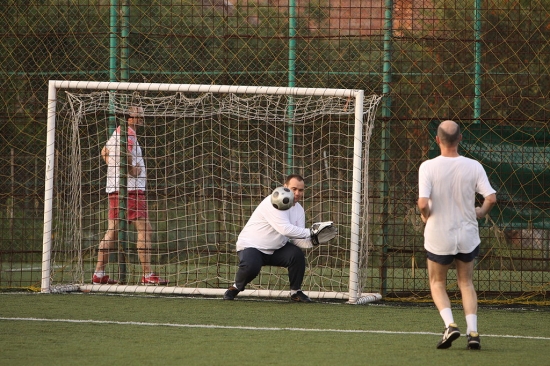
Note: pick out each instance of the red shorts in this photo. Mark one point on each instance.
(135, 209)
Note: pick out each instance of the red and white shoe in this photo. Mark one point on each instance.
(153, 279)
(105, 280)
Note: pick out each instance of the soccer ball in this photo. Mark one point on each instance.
(282, 198)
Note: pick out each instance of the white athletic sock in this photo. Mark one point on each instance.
(447, 316)
(99, 274)
(471, 321)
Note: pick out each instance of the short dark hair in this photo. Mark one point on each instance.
(449, 139)
(294, 176)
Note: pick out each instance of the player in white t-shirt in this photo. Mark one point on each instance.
(136, 202)
(272, 237)
(447, 189)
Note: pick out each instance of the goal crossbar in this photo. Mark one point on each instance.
(202, 88)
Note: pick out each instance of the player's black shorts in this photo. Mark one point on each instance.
(448, 259)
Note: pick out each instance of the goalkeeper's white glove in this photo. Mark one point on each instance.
(322, 232)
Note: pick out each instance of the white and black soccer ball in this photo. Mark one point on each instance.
(282, 198)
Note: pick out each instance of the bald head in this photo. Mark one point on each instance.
(449, 133)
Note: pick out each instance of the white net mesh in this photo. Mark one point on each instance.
(210, 158)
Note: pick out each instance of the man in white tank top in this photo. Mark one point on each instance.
(136, 201)
(447, 190)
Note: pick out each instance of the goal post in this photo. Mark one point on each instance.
(212, 153)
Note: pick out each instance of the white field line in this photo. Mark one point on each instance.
(25, 269)
(213, 326)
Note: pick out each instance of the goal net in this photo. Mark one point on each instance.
(212, 153)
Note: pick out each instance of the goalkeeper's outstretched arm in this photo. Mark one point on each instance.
(302, 243)
(321, 232)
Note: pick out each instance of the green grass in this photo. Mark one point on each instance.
(93, 329)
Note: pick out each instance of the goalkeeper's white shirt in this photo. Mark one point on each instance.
(113, 169)
(269, 229)
(451, 185)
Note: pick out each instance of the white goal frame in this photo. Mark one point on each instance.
(353, 295)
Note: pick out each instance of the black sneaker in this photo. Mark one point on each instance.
(473, 341)
(300, 297)
(231, 293)
(449, 335)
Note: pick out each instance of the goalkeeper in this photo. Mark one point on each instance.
(273, 237)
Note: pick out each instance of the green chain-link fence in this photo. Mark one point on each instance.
(483, 63)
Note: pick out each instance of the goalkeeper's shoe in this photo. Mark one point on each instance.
(449, 335)
(153, 279)
(105, 280)
(473, 340)
(231, 293)
(299, 296)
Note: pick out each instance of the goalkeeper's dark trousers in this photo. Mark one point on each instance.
(251, 261)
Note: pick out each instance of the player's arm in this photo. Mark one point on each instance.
(424, 192)
(321, 233)
(484, 188)
(110, 146)
(424, 206)
(302, 243)
(133, 166)
(133, 170)
(105, 155)
(280, 222)
(487, 205)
